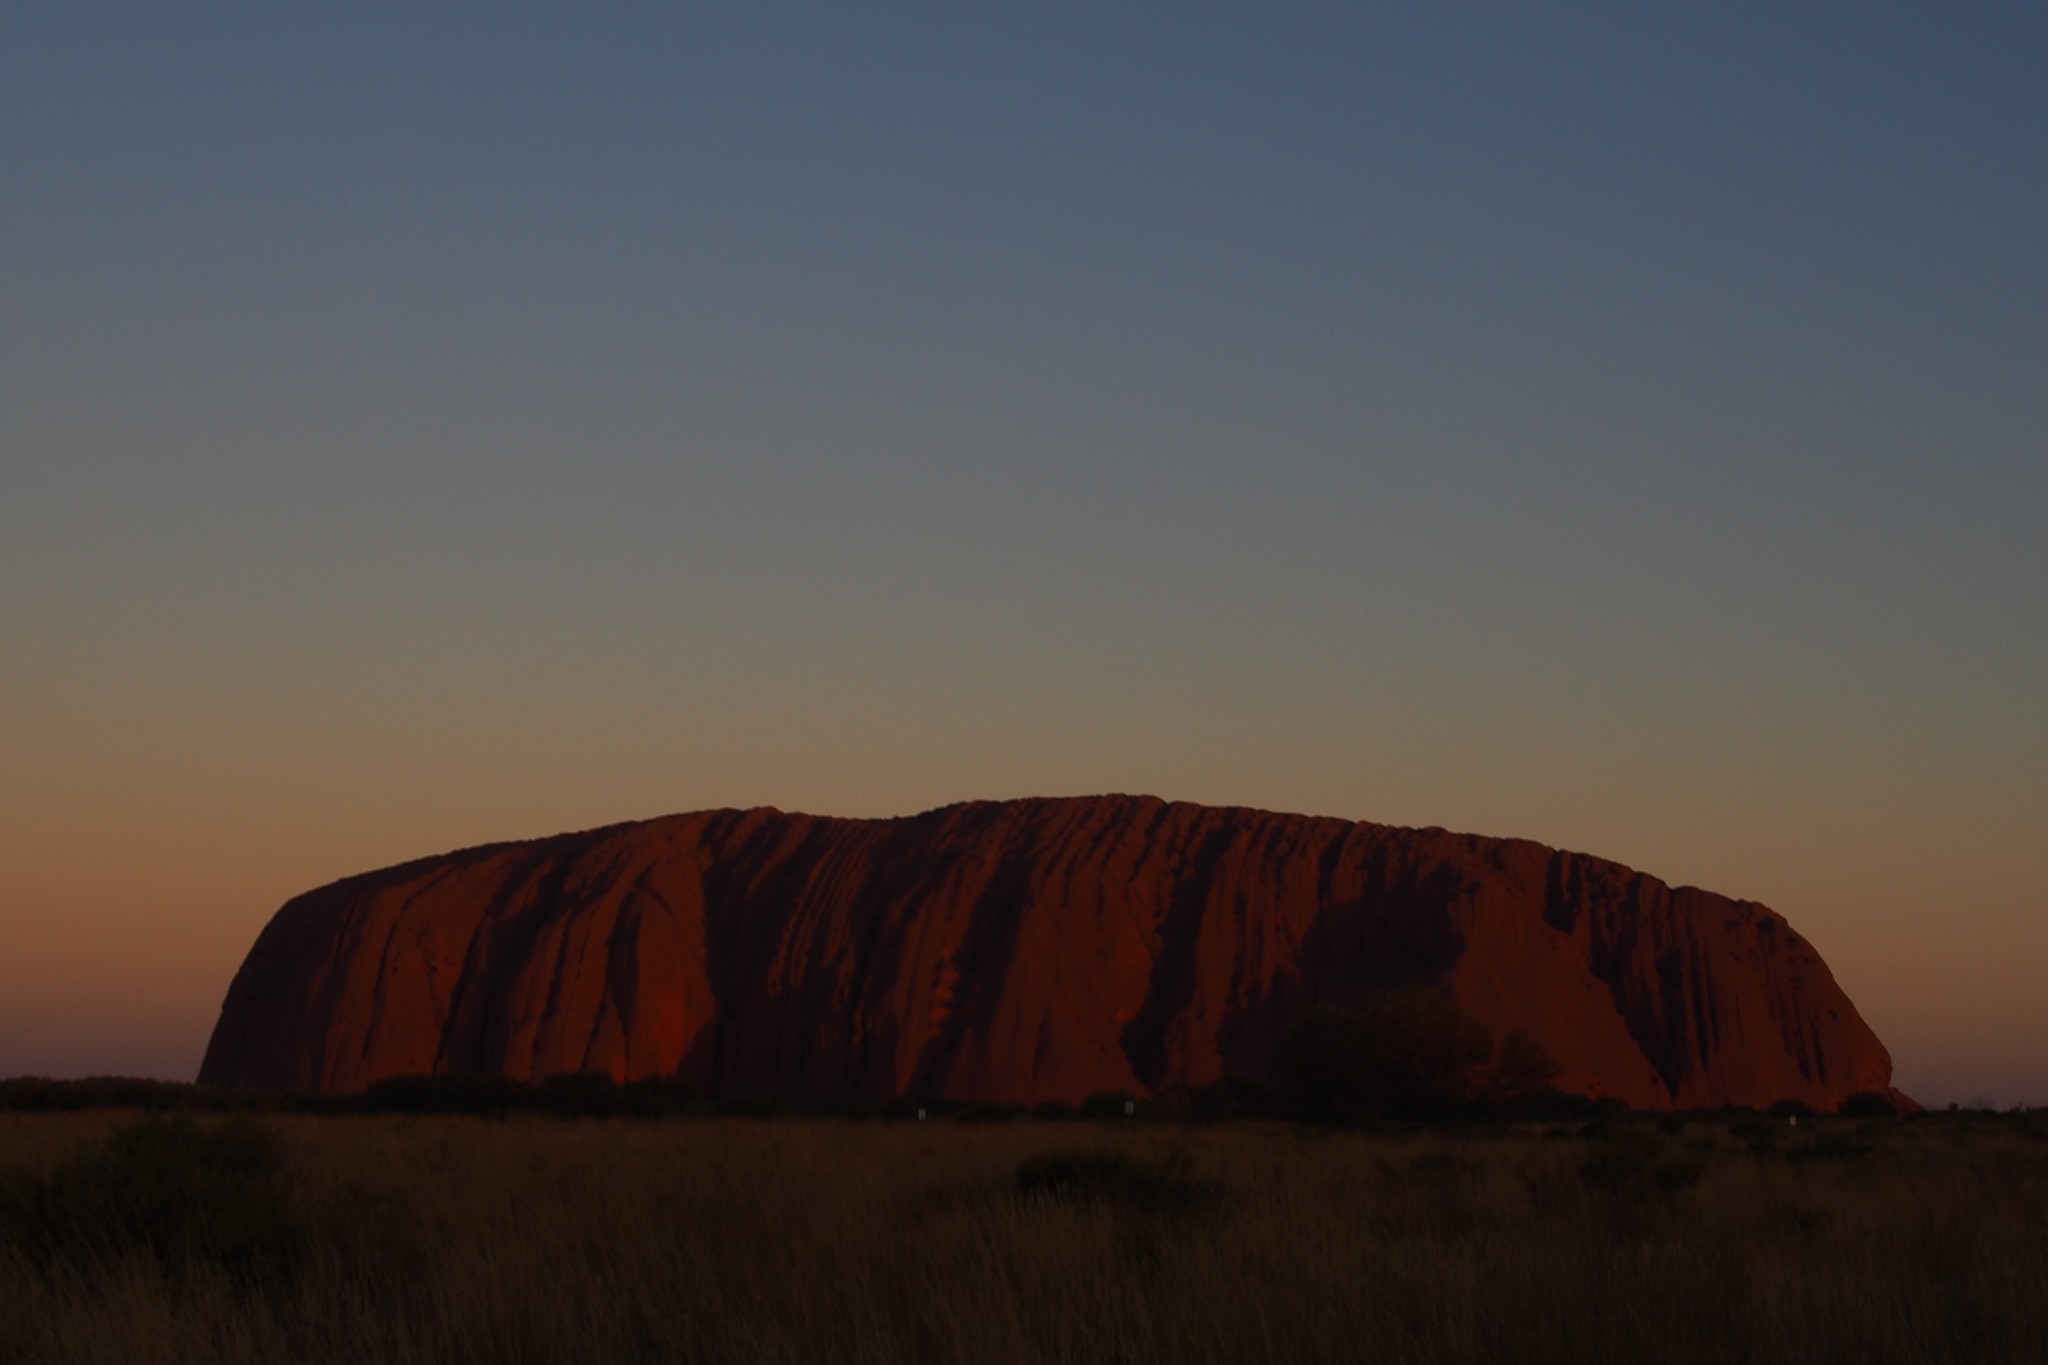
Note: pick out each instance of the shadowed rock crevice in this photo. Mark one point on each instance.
(1173, 983)
(972, 976)
(461, 1048)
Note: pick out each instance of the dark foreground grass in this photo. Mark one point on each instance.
(542, 1240)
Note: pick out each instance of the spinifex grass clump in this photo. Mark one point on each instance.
(174, 1190)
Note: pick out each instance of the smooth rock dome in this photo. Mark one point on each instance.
(1020, 951)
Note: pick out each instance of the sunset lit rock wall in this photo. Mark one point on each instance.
(1020, 951)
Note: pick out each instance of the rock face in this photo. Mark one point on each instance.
(1020, 951)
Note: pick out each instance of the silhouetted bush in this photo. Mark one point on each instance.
(1054, 1111)
(1114, 1179)
(1521, 1067)
(570, 1094)
(177, 1190)
(1554, 1106)
(1232, 1097)
(1113, 1104)
(1407, 1053)
(588, 1093)
(1869, 1104)
(655, 1096)
(1792, 1109)
(1414, 1054)
(41, 1094)
(450, 1094)
(988, 1113)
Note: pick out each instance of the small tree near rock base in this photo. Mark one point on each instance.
(1521, 1067)
(1410, 1053)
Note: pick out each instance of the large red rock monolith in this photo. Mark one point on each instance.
(1020, 951)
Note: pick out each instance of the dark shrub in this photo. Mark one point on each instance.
(29, 1094)
(655, 1096)
(452, 1094)
(1407, 1053)
(1113, 1104)
(1054, 1111)
(1232, 1097)
(979, 1112)
(1792, 1109)
(580, 1092)
(1113, 1179)
(1554, 1106)
(571, 1094)
(1869, 1104)
(40, 1094)
(179, 1191)
(859, 1110)
(1521, 1067)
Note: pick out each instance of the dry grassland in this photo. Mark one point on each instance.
(541, 1240)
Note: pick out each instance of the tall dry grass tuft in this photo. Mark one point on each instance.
(531, 1240)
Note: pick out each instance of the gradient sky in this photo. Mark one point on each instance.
(1624, 426)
